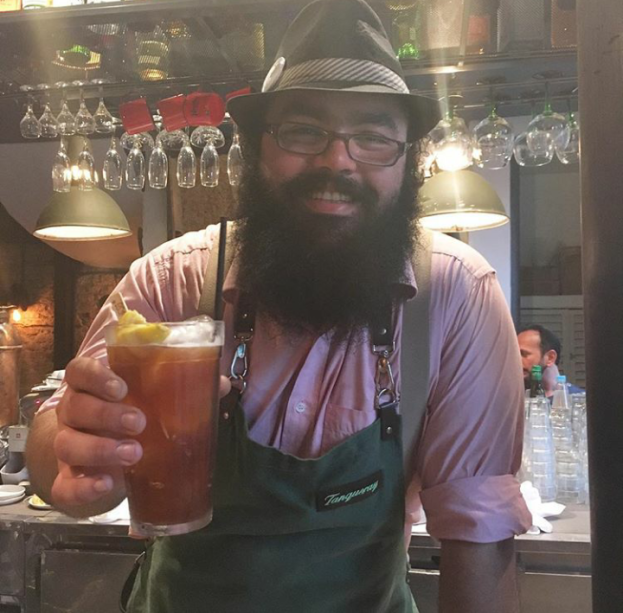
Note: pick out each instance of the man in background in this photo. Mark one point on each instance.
(539, 346)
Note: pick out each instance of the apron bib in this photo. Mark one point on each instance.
(321, 535)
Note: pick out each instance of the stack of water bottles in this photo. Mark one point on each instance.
(555, 456)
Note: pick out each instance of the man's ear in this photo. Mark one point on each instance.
(550, 357)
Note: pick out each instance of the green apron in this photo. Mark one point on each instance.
(321, 535)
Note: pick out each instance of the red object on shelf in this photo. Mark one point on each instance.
(238, 92)
(172, 111)
(136, 116)
(204, 109)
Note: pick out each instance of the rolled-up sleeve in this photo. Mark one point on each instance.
(470, 449)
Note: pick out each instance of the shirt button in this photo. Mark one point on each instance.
(301, 407)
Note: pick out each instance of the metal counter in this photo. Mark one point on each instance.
(50, 563)
(553, 569)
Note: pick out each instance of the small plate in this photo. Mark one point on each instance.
(36, 503)
(11, 491)
(5, 501)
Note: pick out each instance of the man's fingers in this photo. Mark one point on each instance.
(81, 449)
(72, 488)
(90, 376)
(86, 412)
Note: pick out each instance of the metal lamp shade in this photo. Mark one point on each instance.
(460, 201)
(81, 216)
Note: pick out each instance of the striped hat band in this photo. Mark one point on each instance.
(340, 70)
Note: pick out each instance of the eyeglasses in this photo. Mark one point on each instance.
(366, 148)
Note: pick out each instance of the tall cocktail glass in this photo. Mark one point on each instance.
(172, 373)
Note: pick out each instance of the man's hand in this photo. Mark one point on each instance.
(91, 441)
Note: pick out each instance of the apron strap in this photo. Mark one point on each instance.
(208, 291)
(415, 352)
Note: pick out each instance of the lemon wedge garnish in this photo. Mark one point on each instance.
(134, 330)
(131, 317)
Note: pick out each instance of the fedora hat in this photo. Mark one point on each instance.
(337, 46)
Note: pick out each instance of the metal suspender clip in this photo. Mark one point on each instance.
(383, 346)
(244, 323)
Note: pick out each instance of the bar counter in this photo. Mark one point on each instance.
(50, 562)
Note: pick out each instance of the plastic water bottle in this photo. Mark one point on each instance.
(562, 429)
(569, 470)
(539, 459)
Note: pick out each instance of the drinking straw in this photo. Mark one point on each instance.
(220, 271)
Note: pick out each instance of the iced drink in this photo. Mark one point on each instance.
(174, 380)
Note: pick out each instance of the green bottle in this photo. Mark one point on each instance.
(536, 383)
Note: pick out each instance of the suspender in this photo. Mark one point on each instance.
(415, 350)
(208, 291)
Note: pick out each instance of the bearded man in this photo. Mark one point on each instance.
(383, 367)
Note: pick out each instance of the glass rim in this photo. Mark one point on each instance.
(213, 332)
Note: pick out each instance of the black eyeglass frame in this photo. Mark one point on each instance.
(273, 130)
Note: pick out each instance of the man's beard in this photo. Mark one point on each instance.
(312, 273)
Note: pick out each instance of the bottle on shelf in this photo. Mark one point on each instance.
(564, 32)
(406, 26)
(536, 383)
(482, 27)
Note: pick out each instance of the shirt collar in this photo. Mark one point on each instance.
(406, 284)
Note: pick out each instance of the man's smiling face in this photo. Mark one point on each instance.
(332, 184)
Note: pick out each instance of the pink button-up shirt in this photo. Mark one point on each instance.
(307, 396)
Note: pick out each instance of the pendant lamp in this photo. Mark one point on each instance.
(460, 201)
(80, 215)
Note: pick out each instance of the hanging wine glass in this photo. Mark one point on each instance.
(548, 129)
(85, 123)
(61, 169)
(210, 138)
(113, 167)
(104, 121)
(49, 125)
(525, 156)
(493, 142)
(452, 143)
(202, 135)
(86, 168)
(29, 126)
(571, 153)
(209, 166)
(66, 121)
(135, 165)
(158, 168)
(144, 138)
(172, 141)
(186, 166)
(235, 161)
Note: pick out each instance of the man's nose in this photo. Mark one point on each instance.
(335, 157)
